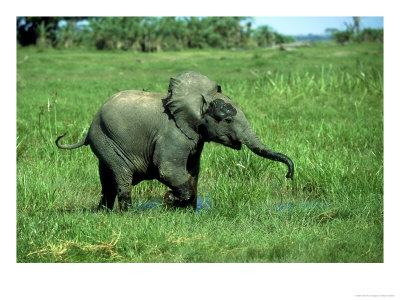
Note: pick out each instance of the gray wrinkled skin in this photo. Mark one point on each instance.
(140, 135)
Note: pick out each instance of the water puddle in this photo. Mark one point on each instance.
(202, 204)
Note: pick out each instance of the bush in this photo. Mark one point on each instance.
(372, 35)
(343, 37)
(366, 35)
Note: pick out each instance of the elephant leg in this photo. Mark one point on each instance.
(108, 191)
(124, 197)
(183, 189)
(115, 181)
(183, 195)
(123, 180)
(180, 174)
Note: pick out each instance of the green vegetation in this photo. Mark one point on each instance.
(146, 34)
(366, 35)
(353, 33)
(320, 105)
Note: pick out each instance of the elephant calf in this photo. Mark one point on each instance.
(140, 135)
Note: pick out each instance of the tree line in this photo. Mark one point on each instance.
(353, 33)
(145, 34)
(155, 34)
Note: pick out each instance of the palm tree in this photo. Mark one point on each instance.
(265, 36)
(357, 21)
(66, 34)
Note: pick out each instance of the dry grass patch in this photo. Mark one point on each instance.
(65, 249)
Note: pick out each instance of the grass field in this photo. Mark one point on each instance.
(320, 105)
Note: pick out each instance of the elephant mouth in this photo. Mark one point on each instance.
(226, 140)
(234, 144)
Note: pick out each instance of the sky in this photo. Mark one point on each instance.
(313, 25)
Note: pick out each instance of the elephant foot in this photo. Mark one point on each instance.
(124, 206)
(124, 201)
(168, 202)
(171, 201)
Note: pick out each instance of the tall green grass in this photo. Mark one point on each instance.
(320, 105)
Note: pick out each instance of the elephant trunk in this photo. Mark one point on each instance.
(250, 139)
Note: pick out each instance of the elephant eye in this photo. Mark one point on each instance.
(228, 120)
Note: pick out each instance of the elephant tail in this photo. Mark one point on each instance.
(69, 147)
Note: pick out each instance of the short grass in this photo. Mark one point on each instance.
(320, 105)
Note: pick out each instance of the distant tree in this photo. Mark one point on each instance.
(357, 21)
(264, 36)
(236, 33)
(355, 34)
(133, 34)
(146, 34)
(173, 33)
(283, 39)
(118, 33)
(248, 34)
(196, 33)
(371, 35)
(67, 34)
(343, 37)
(43, 35)
(30, 29)
(103, 33)
(355, 26)
(223, 32)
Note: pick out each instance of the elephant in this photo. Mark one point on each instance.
(140, 135)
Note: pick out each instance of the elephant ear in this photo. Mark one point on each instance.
(189, 96)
